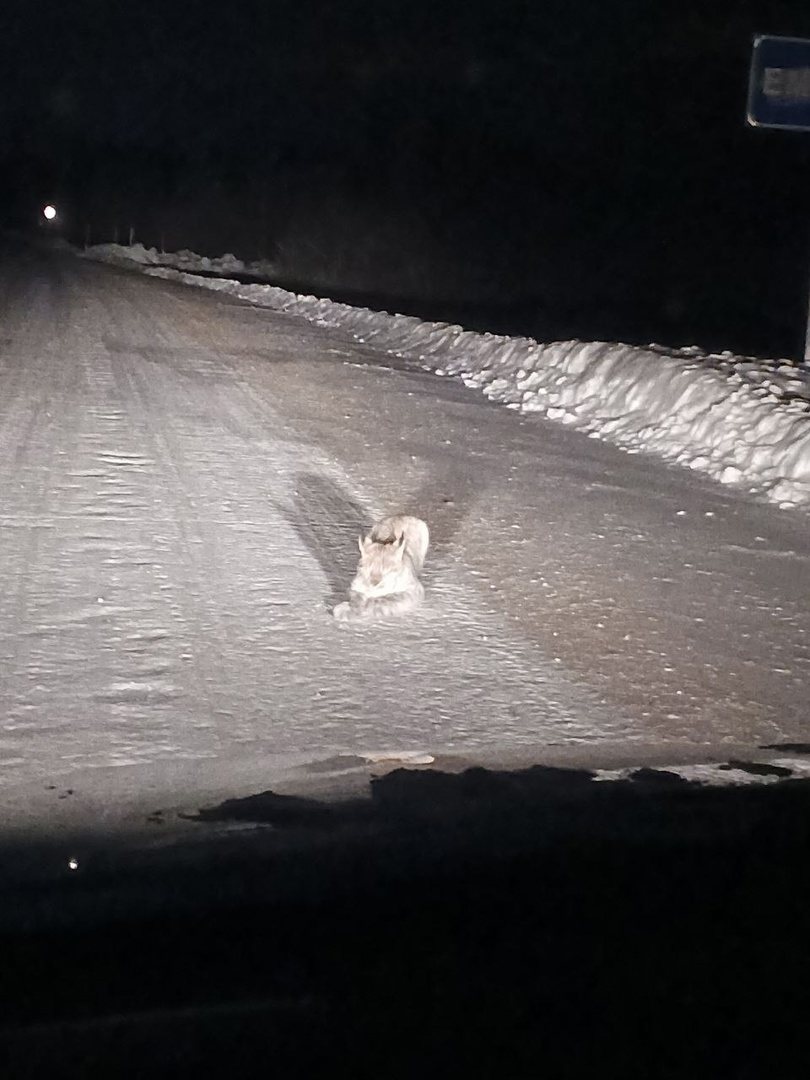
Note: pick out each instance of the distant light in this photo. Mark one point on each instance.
(49, 212)
(73, 864)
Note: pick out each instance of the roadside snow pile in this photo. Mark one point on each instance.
(190, 261)
(743, 421)
(119, 255)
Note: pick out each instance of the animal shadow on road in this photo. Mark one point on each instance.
(328, 519)
(444, 501)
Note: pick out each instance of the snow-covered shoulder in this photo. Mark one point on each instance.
(743, 421)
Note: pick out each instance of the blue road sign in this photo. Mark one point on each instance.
(779, 84)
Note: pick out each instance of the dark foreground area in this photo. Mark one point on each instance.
(534, 923)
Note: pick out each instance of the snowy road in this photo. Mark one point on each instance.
(182, 480)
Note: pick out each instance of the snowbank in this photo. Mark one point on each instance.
(179, 260)
(743, 421)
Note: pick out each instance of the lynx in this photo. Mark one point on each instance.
(387, 579)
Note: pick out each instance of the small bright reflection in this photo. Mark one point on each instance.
(73, 864)
(49, 212)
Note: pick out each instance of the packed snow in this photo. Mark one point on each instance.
(744, 421)
(165, 591)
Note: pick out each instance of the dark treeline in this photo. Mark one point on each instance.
(585, 167)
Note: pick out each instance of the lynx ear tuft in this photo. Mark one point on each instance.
(361, 544)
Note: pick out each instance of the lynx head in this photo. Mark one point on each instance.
(381, 560)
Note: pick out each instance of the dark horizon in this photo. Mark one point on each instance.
(567, 170)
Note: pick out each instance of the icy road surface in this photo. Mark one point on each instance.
(183, 478)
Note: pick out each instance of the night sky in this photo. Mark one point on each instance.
(564, 168)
